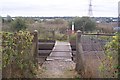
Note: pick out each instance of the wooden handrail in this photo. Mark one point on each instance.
(102, 34)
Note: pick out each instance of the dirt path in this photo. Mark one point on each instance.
(58, 69)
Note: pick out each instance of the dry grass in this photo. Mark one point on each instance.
(92, 64)
(48, 25)
(106, 27)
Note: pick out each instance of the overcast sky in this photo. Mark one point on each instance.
(101, 8)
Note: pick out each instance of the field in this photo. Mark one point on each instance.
(106, 27)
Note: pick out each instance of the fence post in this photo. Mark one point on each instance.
(36, 45)
(79, 62)
(53, 33)
(97, 33)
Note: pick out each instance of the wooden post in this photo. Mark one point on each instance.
(68, 34)
(53, 33)
(79, 61)
(97, 33)
(36, 45)
(78, 36)
(36, 41)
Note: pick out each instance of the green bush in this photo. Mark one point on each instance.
(108, 38)
(18, 24)
(110, 64)
(61, 37)
(45, 35)
(83, 24)
(16, 48)
(72, 37)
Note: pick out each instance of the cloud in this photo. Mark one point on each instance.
(57, 7)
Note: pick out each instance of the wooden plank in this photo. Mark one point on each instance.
(61, 51)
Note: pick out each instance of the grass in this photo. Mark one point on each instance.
(72, 73)
(106, 27)
(108, 38)
(61, 37)
(72, 37)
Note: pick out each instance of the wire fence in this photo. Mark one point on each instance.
(91, 54)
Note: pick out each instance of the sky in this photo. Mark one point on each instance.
(51, 8)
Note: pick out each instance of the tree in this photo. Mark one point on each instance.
(3, 20)
(59, 21)
(18, 24)
(83, 24)
(9, 18)
(29, 20)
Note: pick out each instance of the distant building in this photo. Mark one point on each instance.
(114, 19)
(116, 28)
